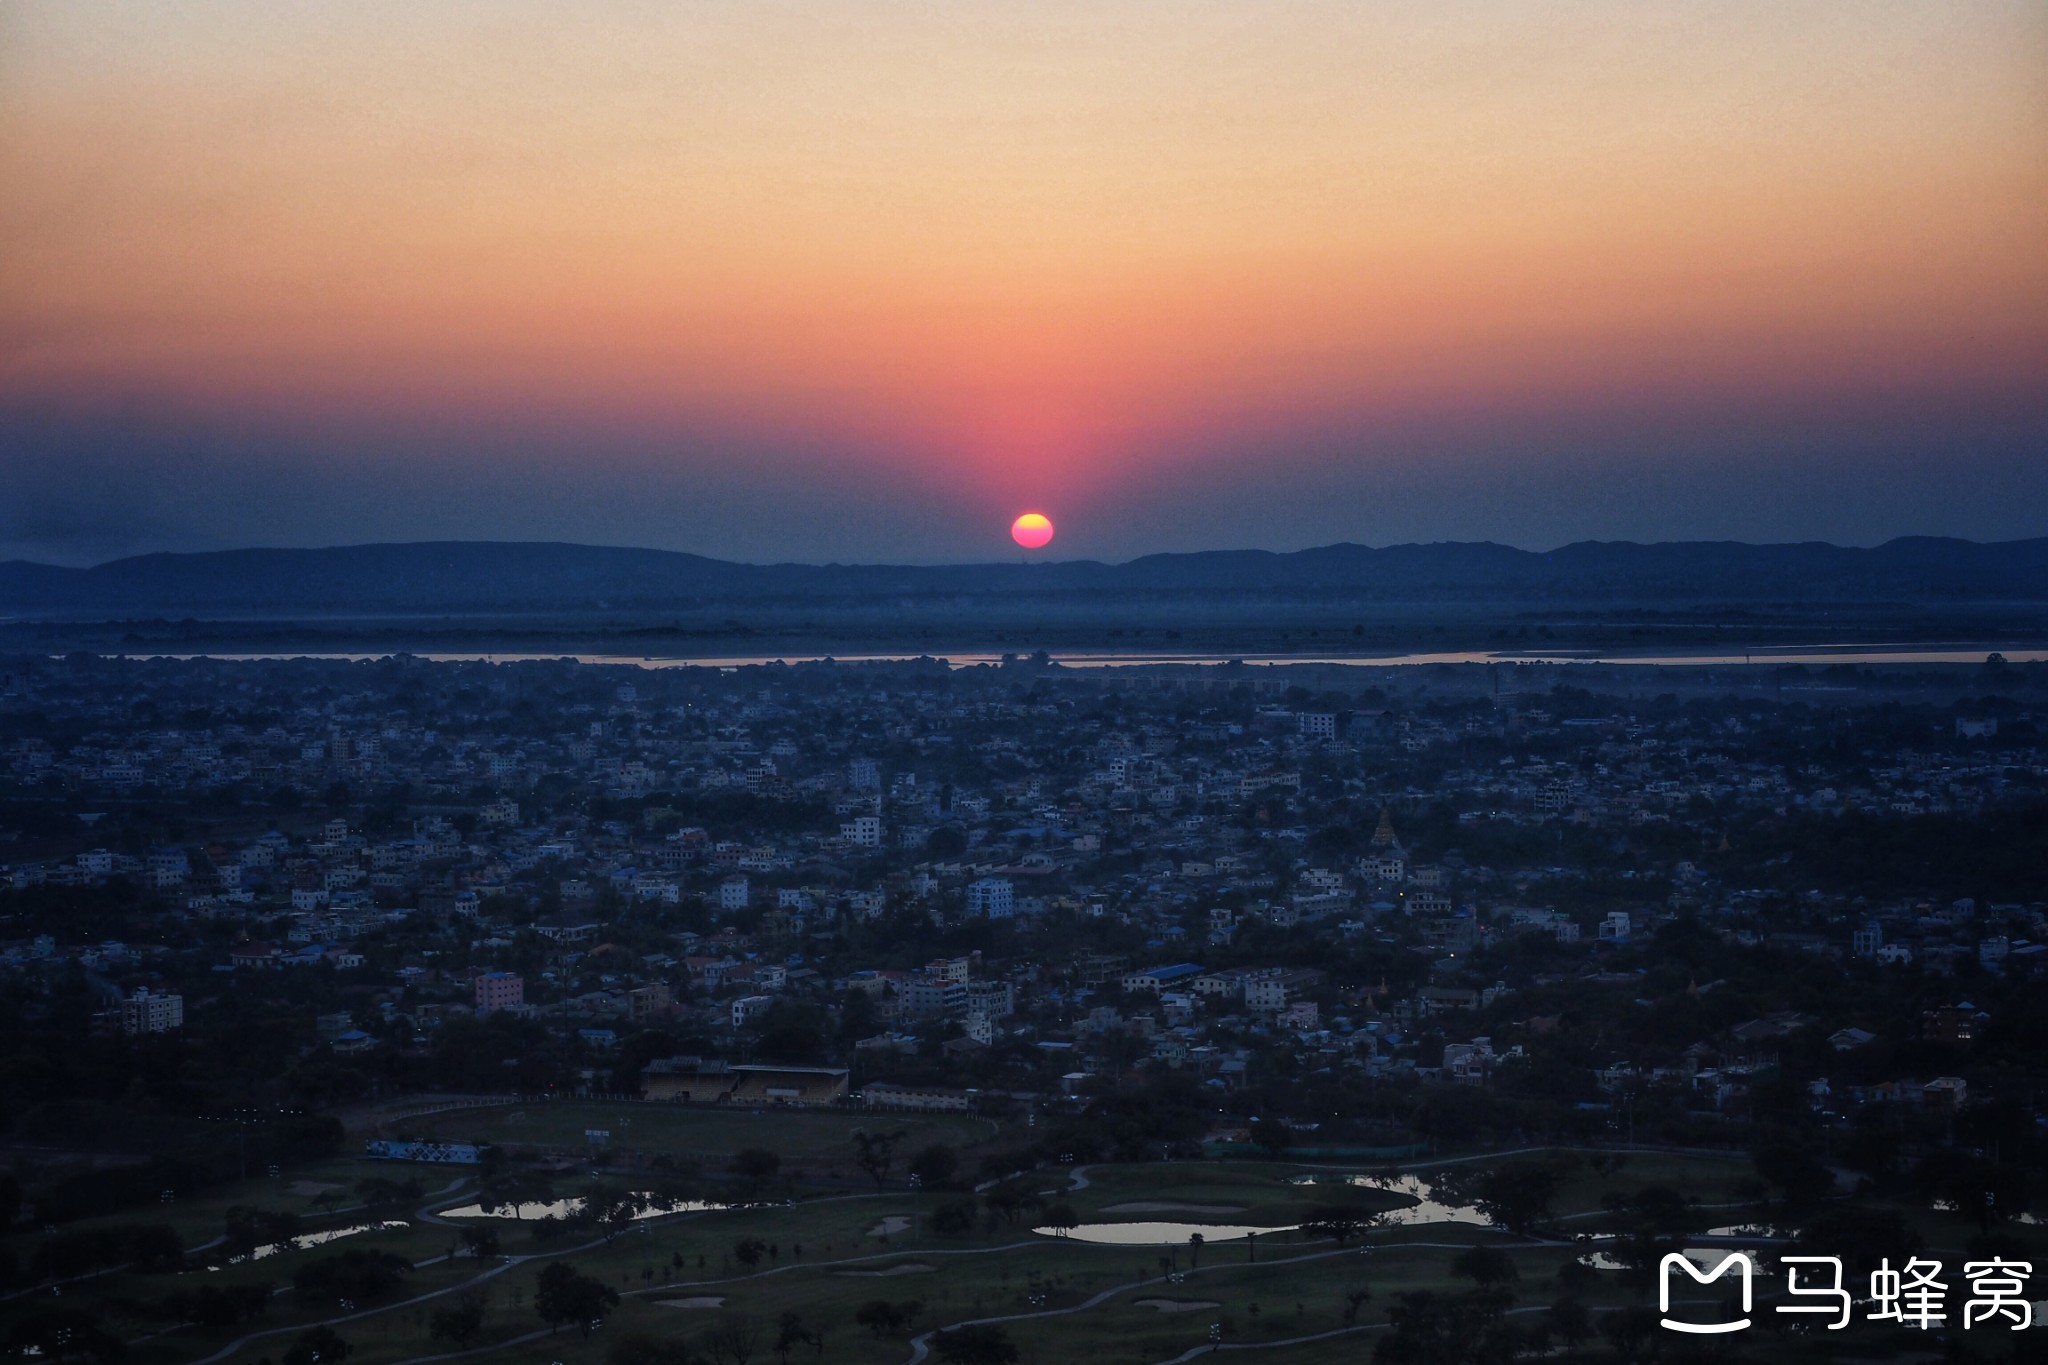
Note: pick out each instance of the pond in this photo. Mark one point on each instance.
(1427, 1208)
(1706, 1258)
(564, 1208)
(1155, 1234)
(313, 1239)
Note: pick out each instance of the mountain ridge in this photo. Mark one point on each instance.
(561, 575)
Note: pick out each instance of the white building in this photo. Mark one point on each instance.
(146, 1013)
(863, 831)
(1316, 724)
(991, 999)
(1278, 990)
(497, 991)
(168, 867)
(991, 898)
(734, 894)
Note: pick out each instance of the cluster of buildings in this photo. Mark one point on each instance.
(1013, 879)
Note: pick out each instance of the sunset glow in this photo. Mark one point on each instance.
(854, 269)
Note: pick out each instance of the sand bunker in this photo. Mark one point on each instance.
(702, 1301)
(1170, 1206)
(1176, 1305)
(909, 1268)
(890, 1226)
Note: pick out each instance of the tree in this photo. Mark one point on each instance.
(1862, 1236)
(755, 1166)
(878, 1316)
(215, 1308)
(955, 1217)
(1570, 1322)
(1631, 1330)
(978, 1343)
(382, 1192)
(317, 1346)
(882, 1317)
(482, 1242)
(1195, 1241)
(1575, 1277)
(357, 1276)
(563, 1295)
(935, 1165)
(733, 1341)
(791, 1034)
(1802, 1180)
(790, 1333)
(1010, 1198)
(247, 1228)
(1660, 1208)
(1485, 1266)
(155, 1248)
(1272, 1137)
(612, 1209)
(1339, 1221)
(508, 1189)
(63, 1333)
(875, 1153)
(1353, 1301)
(461, 1321)
(1517, 1197)
(1471, 1329)
(1422, 1332)
(641, 1349)
(748, 1251)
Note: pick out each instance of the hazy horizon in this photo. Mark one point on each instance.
(1015, 557)
(864, 281)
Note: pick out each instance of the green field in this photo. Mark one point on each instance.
(813, 1138)
(829, 1255)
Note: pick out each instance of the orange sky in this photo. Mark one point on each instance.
(1025, 252)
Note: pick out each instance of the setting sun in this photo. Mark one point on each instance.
(1033, 530)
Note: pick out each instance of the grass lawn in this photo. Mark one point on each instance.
(828, 1253)
(814, 1138)
(202, 1218)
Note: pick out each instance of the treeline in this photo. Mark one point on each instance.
(147, 1247)
(1997, 854)
(206, 1162)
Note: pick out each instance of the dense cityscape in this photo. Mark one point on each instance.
(1792, 915)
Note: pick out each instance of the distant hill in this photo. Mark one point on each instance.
(489, 576)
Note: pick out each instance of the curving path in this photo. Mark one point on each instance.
(1211, 1348)
(920, 1345)
(445, 1197)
